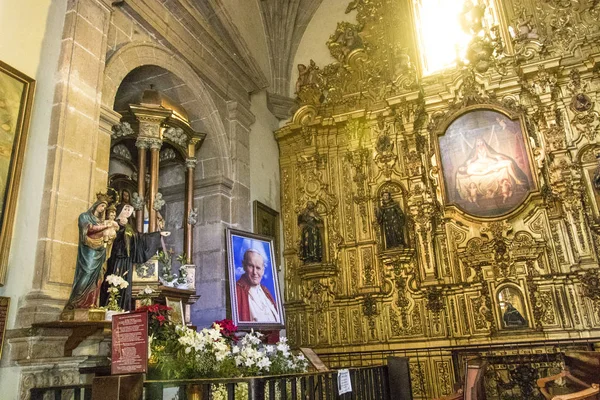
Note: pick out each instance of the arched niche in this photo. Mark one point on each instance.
(511, 307)
(398, 194)
(155, 145)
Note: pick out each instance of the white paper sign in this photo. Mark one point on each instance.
(344, 383)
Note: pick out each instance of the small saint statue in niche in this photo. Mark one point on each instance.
(311, 243)
(512, 317)
(391, 219)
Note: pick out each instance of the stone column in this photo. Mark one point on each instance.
(190, 164)
(155, 146)
(142, 147)
(78, 153)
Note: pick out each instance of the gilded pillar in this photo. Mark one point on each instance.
(155, 146)
(142, 146)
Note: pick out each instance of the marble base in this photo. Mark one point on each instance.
(83, 314)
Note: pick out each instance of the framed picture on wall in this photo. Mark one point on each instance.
(486, 162)
(254, 288)
(266, 223)
(16, 99)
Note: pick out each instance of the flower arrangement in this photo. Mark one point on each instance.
(160, 326)
(116, 283)
(145, 296)
(166, 262)
(213, 352)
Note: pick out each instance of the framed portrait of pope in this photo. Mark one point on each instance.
(486, 163)
(254, 289)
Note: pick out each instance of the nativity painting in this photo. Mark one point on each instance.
(485, 164)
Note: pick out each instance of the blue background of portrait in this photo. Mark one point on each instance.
(239, 245)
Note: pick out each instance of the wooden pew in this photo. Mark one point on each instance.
(582, 373)
(473, 388)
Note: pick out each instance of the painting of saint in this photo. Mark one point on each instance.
(485, 164)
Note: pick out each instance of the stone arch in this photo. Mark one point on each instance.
(136, 54)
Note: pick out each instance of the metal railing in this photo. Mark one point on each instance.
(367, 384)
(513, 367)
(75, 392)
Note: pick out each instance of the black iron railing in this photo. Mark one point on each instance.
(512, 371)
(75, 392)
(367, 383)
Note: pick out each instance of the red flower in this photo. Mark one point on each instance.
(160, 318)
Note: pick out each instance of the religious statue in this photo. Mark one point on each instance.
(391, 219)
(110, 233)
(193, 216)
(137, 202)
(512, 317)
(91, 254)
(126, 198)
(159, 202)
(129, 247)
(311, 243)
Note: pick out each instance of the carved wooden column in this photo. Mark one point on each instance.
(190, 164)
(142, 147)
(155, 146)
(150, 118)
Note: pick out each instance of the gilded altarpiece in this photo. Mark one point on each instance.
(369, 126)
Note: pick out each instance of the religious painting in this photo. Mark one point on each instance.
(486, 165)
(254, 290)
(266, 223)
(16, 98)
(512, 308)
(177, 314)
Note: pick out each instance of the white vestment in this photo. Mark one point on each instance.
(261, 308)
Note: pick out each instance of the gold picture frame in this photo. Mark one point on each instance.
(481, 134)
(16, 99)
(266, 223)
(177, 313)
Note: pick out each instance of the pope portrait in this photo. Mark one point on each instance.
(255, 303)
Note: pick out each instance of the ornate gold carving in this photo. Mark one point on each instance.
(357, 326)
(319, 293)
(417, 378)
(590, 288)
(368, 123)
(385, 157)
(333, 323)
(358, 160)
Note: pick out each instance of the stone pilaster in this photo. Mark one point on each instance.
(77, 157)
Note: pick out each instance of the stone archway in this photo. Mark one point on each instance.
(214, 175)
(134, 55)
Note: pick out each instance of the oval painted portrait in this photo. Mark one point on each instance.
(485, 164)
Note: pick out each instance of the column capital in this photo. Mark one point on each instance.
(155, 144)
(142, 142)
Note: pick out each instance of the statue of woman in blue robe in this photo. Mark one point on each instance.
(91, 254)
